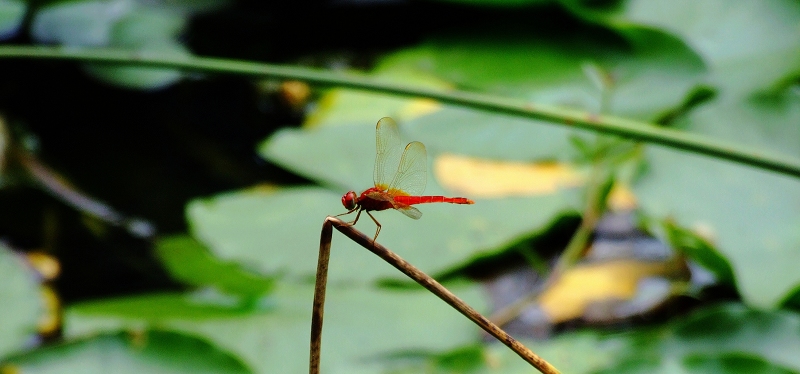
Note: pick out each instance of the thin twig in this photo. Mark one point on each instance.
(54, 184)
(623, 127)
(412, 272)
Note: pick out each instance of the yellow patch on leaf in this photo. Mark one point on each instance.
(584, 284)
(418, 107)
(46, 265)
(621, 198)
(485, 178)
(50, 321)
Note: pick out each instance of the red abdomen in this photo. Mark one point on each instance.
(411, 200)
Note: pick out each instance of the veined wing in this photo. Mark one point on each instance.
(409, 211)
(388, 150)
(412, 174)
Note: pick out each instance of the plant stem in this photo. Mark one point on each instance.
(595, 205)
(567, 117)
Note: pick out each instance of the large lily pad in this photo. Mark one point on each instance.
(278, 232)
(22, 302)
(360, 325)
(151, 351)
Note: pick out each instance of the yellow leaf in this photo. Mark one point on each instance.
(584, 284)
(621, 198)
(485, 178)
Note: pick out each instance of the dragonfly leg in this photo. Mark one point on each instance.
(348, 212)
(357, 215)
(378, 231)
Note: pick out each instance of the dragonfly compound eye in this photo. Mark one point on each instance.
(349, 200)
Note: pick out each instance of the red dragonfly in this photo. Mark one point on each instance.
(398, 178)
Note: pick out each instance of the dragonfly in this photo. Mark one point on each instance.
(400, 176)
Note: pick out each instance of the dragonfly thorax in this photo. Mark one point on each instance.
(350, 200)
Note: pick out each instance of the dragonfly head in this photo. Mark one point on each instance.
(350, 200)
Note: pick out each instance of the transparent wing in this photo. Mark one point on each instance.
(410, 211)
(387, 143)
(412, 174)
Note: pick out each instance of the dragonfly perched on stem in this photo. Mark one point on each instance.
(400, 176)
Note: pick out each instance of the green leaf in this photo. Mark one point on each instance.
(749, 45)
(749, 215)
(576, 352)
(731, 363)
(22, 302)
(341, 106)
(279, 232)
(792, 300)
(150, 351)
(129, 25)
(12, 13)
(148, 31)
(638, 72)
(361, 323)
(77, 23)
(699, 250)
(735, 328)
(493, 136)
(190, 262)
(167, 306)
(727, 338)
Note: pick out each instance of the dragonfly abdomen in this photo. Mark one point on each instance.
(411, 200)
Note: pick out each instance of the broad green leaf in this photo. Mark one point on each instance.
(731, 363)
(279, 232)
(12, 13)
(749, 45)
(642, 72)
(750, 215)
(21, 301)
(341, 106)
(575, 352)
(792, 300)
(78, 23)
(772, 336)
(149, 351)
(148, 31)
(493, 136)
(190, 262)
(728, 338)
(700, 251)
(198, 305)
(123, 24)
(361, 324)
